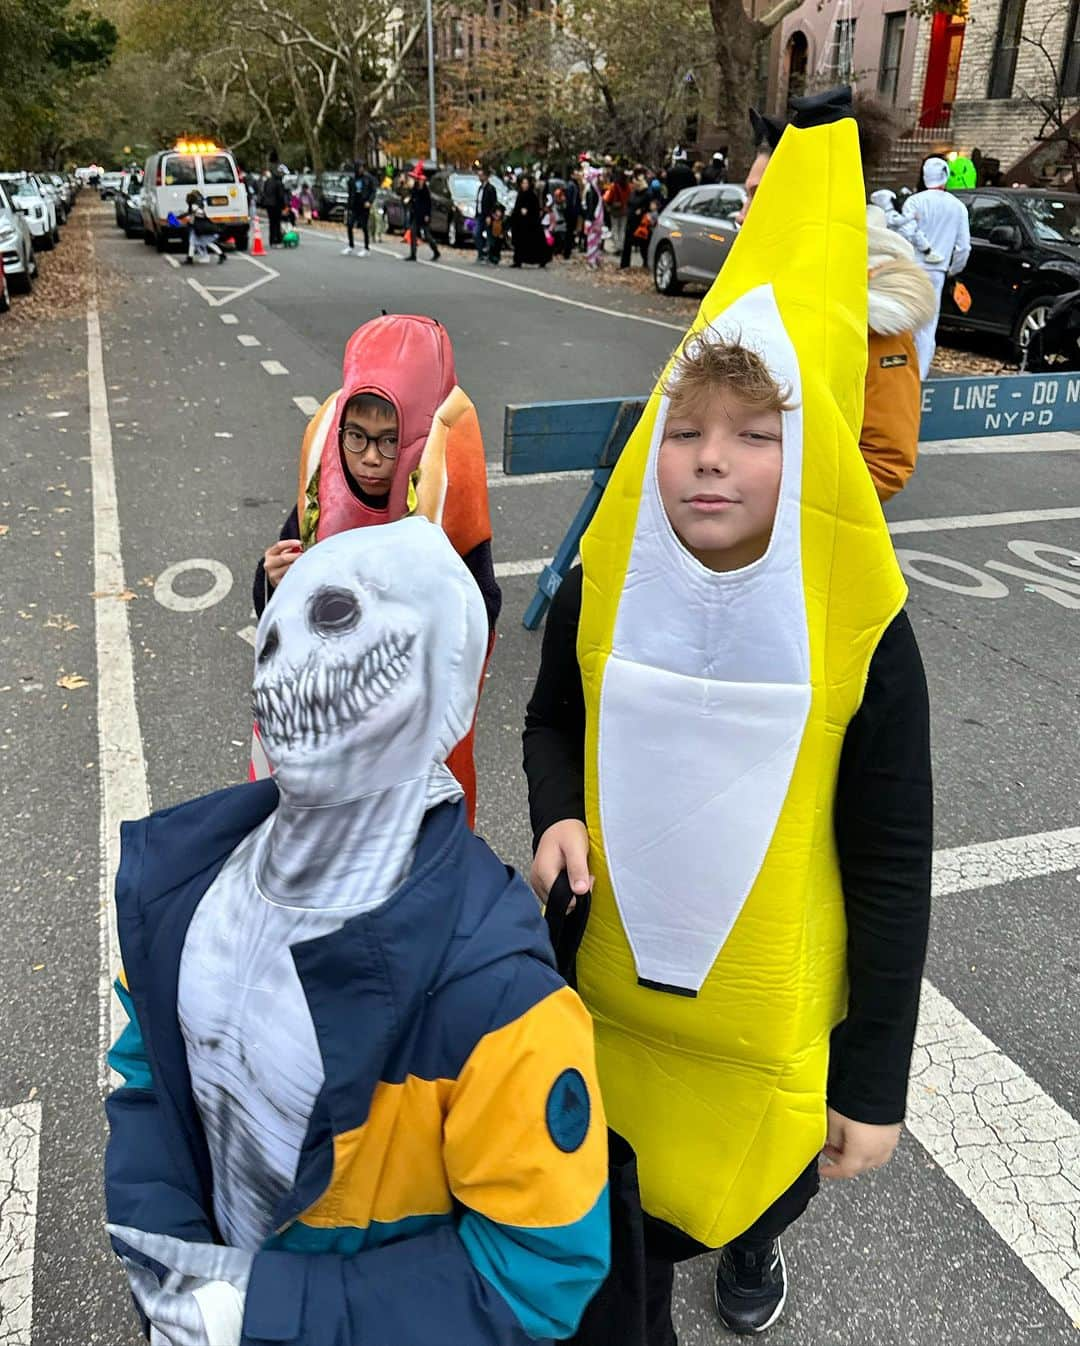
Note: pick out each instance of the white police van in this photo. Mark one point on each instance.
(188, 166)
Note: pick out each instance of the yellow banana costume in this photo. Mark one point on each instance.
(714, 960)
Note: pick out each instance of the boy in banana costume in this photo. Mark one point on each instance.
(728, 742)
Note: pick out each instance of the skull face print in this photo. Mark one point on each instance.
(368, 662)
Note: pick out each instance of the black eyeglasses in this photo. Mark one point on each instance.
(355, 440)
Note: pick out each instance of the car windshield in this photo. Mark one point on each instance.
(1053, 219)
(336, 182)
(217, 169)
(464, 186)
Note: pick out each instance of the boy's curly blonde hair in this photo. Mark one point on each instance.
(704, 367)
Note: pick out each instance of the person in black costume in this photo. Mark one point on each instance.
(530, 245)
(420, 215)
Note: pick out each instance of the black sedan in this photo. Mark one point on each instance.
(331, 192)
(126, 202)
(1025, 255)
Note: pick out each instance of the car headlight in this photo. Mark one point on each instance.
(7, 235)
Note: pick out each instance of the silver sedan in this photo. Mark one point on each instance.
(693, 235)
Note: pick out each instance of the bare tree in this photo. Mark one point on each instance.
(736, 40)
(1060, 114)
(337, 56)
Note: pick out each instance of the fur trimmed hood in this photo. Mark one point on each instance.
(901, 298)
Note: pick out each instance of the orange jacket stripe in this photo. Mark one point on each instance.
(496, 1111)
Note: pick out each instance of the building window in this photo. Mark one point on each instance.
(1070, 55)
(842, 50)
(892, 49)
(1006, 49)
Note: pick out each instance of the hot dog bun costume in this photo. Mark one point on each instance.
(716, 704)
(409, 361)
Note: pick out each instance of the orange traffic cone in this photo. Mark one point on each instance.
(406, 237)
(258, 250)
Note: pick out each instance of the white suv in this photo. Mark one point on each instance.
(16, 245)
(40, 210)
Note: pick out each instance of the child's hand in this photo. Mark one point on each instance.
(279, 558)
(852, 1148)
(565, 845)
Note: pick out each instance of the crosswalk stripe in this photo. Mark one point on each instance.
(20, 1132)
(1011, 1150)
(966, 868)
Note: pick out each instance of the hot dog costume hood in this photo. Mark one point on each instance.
(716, 704)
(409, 361)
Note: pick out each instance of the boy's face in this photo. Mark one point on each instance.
(750, 186)
(368, 468)
(719, 478)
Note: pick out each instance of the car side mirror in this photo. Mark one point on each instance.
(1005, 236)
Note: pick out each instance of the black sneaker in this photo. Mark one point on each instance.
(751, 1287)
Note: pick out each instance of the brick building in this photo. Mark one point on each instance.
(959, 81)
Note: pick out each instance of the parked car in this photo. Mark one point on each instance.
(16, 243)
(38, 207)
(109, 185)
(1025, 254)
(65, 186)
(694, 234)
(171, 174)
(453, 205)
(128, 204)
(393, 208)
(55, 195)
(331, 192)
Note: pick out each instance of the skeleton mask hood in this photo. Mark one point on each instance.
(367, 672)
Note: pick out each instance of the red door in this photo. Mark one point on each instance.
(942, 68)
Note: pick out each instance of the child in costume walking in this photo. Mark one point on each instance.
(728, 743)
(358, 1103)
(359, 465)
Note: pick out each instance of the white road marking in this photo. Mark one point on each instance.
(219, 295)
(308, 405)
(221, 584)
(962, 869)
(273, 367)
(508, 569)
(498, 478)
(171, 260)
(1011, 1150)
(20, 1132)
(472, 274)
(121, 764)
(988, 588)
(228, 318)
(1052, 441)
(247, 634)
(949, 524)
(246, 339)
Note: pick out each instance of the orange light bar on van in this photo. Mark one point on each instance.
(196, 147)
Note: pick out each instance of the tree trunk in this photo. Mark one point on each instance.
(737, 39)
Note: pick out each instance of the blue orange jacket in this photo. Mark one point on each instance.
(452, 1186)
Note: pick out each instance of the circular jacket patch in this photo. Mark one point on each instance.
(568, 1111)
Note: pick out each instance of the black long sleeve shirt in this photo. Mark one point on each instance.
(884, 834)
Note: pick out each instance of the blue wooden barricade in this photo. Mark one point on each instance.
(590, 434)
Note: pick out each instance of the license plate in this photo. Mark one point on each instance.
(217, 200)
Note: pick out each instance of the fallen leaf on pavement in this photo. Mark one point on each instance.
(72, 681)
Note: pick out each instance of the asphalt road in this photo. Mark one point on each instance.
(971, 1235)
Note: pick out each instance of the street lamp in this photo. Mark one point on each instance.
(431, 83)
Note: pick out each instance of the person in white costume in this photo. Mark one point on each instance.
(943, 220)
